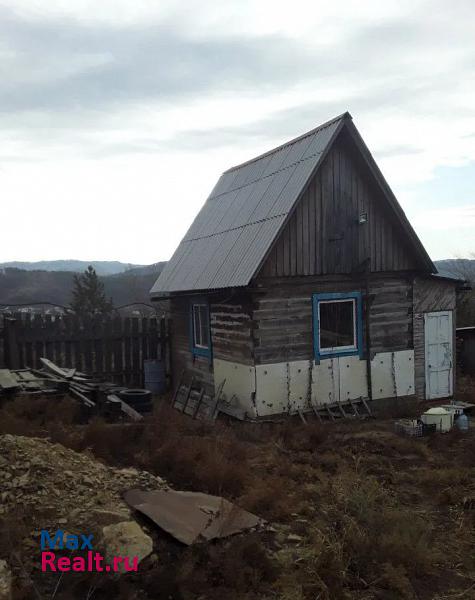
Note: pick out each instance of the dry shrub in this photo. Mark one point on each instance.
(439, 478)
(302, 438)
(10, 423)
(466, 388)
(14, 528)
(385, 443)
(316, 572)
(115, 443)
(399, 408)
(37, 415)
(254, 433)
(269, 497)
(329, 462)
(378, 466)
(376, 530)
(441, 442)
(357, 530)
(44, 409)
(395, 583)
(234, 569)
(299, 473)
(205, 464)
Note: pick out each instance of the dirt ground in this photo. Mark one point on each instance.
(354, 510)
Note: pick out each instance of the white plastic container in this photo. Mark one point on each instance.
(441, 418)
(456, 409)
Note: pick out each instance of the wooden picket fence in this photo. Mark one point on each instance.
(113, 349)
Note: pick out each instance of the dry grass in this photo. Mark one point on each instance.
(379, 516)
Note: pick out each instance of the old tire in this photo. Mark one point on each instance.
(136, 397)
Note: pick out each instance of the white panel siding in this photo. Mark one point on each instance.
(240, 384)
(353, 378)
(290, 386)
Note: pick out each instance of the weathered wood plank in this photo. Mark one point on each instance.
(8, 381)
(339, 193)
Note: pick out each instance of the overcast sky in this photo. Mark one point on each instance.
(117, 116)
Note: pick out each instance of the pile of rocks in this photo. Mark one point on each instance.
(5, 581)
(50, 479)
(47, 486)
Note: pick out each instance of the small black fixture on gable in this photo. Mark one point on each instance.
(363, 218)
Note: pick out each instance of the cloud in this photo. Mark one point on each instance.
(70, 76)
(62, 64)
(450, 218)
(110, 105)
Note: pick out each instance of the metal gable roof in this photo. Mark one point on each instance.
(231, 235)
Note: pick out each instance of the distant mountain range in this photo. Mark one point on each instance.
(102, 267)
(463, 268)
(124, 283)
(21, 286)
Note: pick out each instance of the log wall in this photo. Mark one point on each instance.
(231, 338)
(282, 315)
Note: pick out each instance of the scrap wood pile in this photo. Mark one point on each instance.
(94, 394)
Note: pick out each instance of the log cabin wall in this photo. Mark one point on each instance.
(231, 328)
(230, 324)
(180, 348)
(282, 314)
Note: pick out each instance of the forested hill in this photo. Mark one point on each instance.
(102, 267)
(18, 286)
(463, 268)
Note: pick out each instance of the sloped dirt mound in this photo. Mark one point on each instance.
(45, 486)
(46, 478)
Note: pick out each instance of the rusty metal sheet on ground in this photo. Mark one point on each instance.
(190, 516)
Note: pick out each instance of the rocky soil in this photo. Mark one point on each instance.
(65, 484)
(47, 486)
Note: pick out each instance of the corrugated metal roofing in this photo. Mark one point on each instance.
(228, 240)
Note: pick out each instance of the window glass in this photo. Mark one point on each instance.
(200, 326)
(337, 324)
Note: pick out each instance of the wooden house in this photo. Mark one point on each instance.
(301, 283)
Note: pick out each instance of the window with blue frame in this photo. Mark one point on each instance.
(200, 329)
(337, 324)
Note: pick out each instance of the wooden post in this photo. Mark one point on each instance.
(137, 366)
(12, 354)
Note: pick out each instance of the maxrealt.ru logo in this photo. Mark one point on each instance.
(92, 561)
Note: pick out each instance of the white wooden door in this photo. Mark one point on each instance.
(439, 354)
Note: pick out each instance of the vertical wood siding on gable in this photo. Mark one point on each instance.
(323, 235)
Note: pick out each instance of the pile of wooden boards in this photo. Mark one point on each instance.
(94, 394)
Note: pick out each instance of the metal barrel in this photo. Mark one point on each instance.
(154, 376)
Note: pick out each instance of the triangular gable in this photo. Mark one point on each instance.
(416, 243)
(324, 235)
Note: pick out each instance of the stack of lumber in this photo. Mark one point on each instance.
(54, 380)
